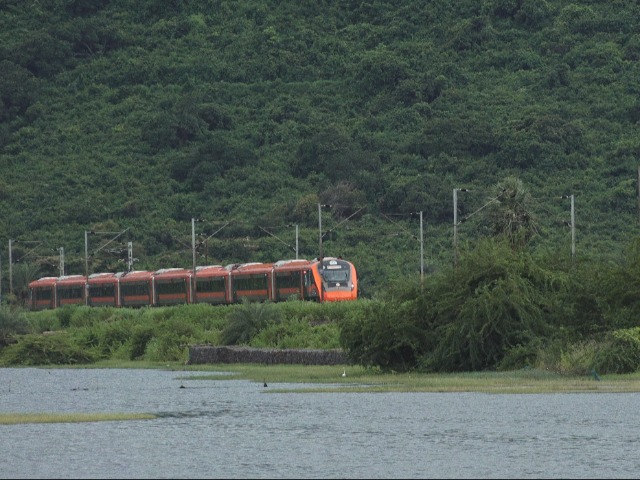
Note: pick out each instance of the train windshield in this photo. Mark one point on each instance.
(335, 271)
(336, 275)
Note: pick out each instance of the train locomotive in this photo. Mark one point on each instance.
(329, 279)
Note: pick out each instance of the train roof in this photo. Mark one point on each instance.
(136, 275)
(104, 277)
(333, 262)
(211, 269)
(172, 273)
(254, 267)
(235, 266)
(287, 265)
(71, 280)
(43, 282)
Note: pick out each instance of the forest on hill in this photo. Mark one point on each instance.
(129, 119)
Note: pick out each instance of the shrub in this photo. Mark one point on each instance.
(245, 321)
(578, 358)
(140, 337)
(297, 333)
(113, 335)
(387, 335)
(64, 315)
(56, 349)
(168, 347)
(105, 337)
(620, 352)
(12, 322)
(492, 303)
(520, 356)
(43, 321)
(82, 315)
(170, 340)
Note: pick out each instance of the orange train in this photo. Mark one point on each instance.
(328, 280)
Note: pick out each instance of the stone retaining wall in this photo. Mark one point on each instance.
(199, 354)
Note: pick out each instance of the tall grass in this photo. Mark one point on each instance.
(15, 418)
(80, 334)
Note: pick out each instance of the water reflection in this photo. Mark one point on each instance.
(239, 429)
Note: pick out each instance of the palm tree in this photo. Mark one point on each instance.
(245, 321)
(22, 274)
(511, 215)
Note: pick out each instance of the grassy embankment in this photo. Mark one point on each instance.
(321, 378)
(358, 379)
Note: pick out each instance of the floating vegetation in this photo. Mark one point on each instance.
(329, 378)
(15, 418)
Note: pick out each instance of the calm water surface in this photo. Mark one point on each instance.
(237, 429)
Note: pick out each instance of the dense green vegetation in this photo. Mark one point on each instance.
(117, 116)
(83, 335)
(127, 120)
(501, 308)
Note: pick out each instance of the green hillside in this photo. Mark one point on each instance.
(131, 118)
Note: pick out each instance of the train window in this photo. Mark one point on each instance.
(167, 288)
(68, 293)
(251, 283)
(129, 289)
(210, 285)
(97, 291)
(308, 279)
(43, 294)
(336, 275)
(288, 280)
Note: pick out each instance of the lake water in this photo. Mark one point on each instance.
(238, 429)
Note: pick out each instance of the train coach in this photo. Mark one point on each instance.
(327, 280)
(103, 289)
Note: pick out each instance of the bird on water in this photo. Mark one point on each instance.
(265, 383)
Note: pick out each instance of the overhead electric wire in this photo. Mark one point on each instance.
(399, 226)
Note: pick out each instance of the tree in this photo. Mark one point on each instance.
(388, 335)
(22, 274)
(511, 216)
(18, 90)
(246, 321)
(496, 300)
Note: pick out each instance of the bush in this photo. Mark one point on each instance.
(620, 352)
(113, 336)
(493, 302)
(207, 317)
(12, 322)
(578, 358)
(297, 333)
(162, 334)
(520, 356)
(43, 321)
(170, 340)
(83, 316)
(245, 321)
(56, 349)
(386, 334)
(64, 315)
(140, 337)
(105, 338)
(168, 347)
